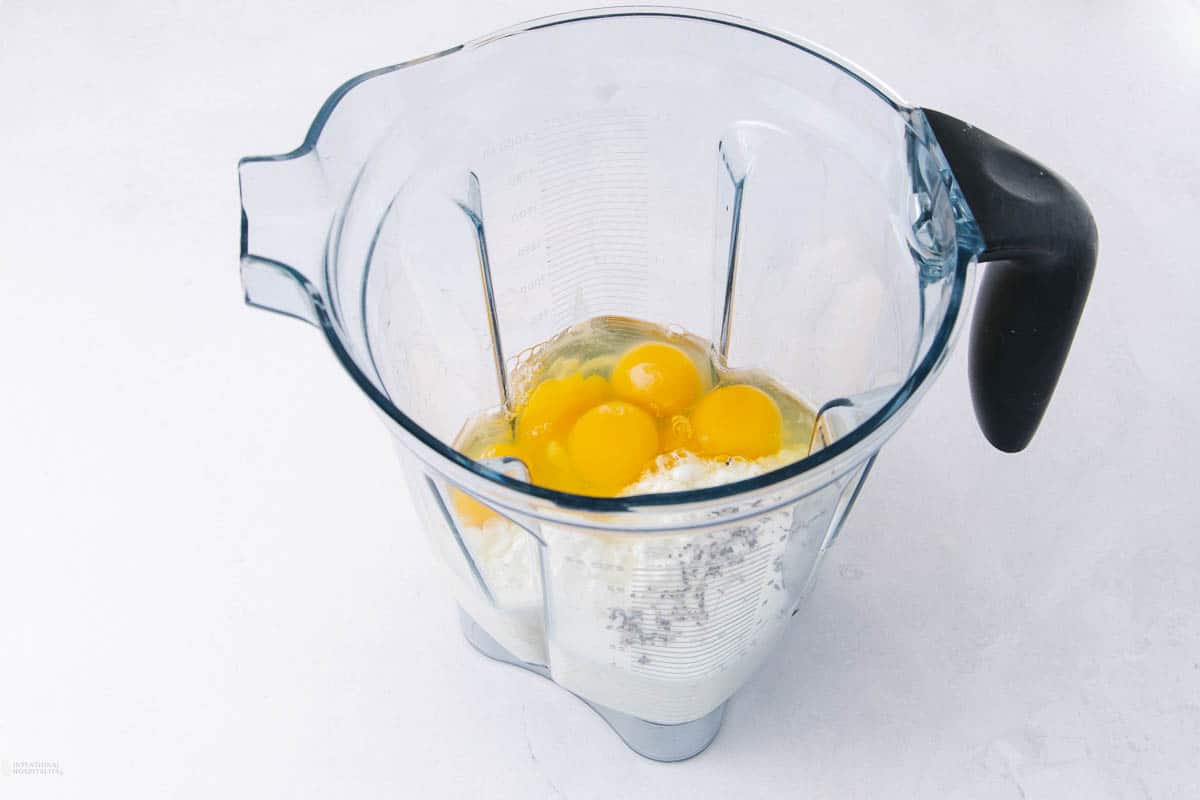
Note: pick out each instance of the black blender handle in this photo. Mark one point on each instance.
(1042, 233)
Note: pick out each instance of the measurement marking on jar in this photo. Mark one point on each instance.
(593, 186)
(524, 213)
(565, 223)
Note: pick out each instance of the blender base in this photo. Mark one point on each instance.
(650, 739)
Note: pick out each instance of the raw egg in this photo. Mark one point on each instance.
(555, 404)
(611, 444)
(659, 377)
(737, 420)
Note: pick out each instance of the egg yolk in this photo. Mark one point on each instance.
(674, 433)
(611, 444)
(738, 420)
(658, 377)
(555, 404)
(470, 511)
(596, 435)
(550, 466)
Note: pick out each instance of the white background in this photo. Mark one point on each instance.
(211, 584)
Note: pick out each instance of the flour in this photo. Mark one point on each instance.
(663, 626)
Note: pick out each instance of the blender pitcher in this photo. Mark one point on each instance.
(446, 214)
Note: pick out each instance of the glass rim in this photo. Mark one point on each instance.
(844, 449)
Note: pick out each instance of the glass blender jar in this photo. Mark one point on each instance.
(446, 214)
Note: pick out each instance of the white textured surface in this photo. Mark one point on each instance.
(209, 581)
(675, 473)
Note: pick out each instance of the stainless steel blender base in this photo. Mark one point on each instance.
(649, 739)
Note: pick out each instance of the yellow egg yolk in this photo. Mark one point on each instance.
(555, 404)
(611, 444)
(545, 419)
(469, 510)
(595, 435)
(659, 377)
(674, 433)
(738, 420)
(550, 466)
